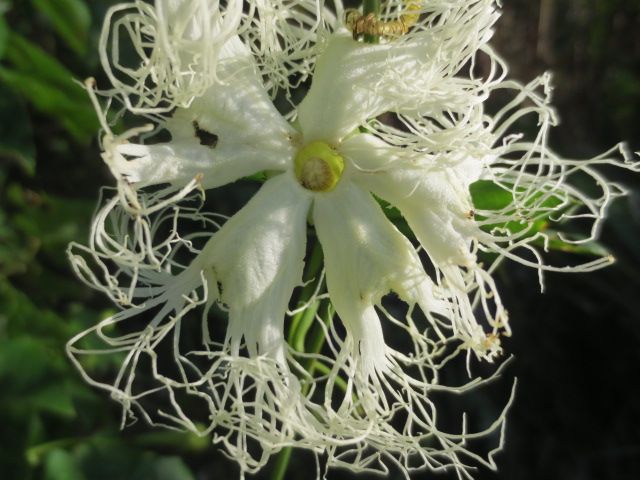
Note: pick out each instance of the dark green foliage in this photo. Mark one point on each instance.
(52, 425)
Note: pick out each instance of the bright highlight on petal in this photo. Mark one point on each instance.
(366, 257)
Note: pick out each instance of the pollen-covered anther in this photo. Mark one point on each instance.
(318, 167)
(491, 341)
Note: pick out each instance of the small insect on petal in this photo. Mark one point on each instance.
(206, 138)
(369, 24)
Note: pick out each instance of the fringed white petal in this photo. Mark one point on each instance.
(354, 81)
(341, 96)
(134, 260)
(232, 131)
(285, 37)
(178, 44)
(365, 258)
(258, 258)
(365, 399)
(540, 184)
(432, 193)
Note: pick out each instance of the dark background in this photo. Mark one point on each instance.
(576, 347)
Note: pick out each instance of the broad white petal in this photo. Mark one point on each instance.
(342, 94)
(365, 258)
(435, 200)
(356, 81)
(258, 258)
(232, 131)
(432, 193)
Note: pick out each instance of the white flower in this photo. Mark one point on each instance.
(402, 122)
(178, 44)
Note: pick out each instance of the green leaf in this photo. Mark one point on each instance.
(22, 317)
(14, 440)
(24, 364)
(55, 399)
(32, 378)
(47, 84)
(16, 133)
(487, 195)
(108, 459)
(176, 441)
(54, 221)
(4, 34)
(61, 465)
(29, 59)
(163, 468)
(70, 18)
(15, 253)
(395, 216)
(593, 249)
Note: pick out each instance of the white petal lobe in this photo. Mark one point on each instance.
(365, 258)
(232, 131)
(258, 258)
(177, 46)
(354, 81)
(432, 194)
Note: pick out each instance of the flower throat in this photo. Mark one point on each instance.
(318, 167)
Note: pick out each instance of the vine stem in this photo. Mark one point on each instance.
(300, 325)
(282, 463)
(371, 6)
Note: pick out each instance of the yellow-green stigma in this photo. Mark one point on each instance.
(318, 167)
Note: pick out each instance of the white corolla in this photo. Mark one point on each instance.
(377, 162)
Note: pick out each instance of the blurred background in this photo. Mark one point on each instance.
(576, 347)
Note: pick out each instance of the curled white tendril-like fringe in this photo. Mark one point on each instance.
(252, 400)
(539, 181)
(179, 46)
(179, 43)
(256, 400)
(135, 256)
(537, 178)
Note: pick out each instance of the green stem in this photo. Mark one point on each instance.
(35, 454)
(371, 6)
(323, 369)
(300, 324)
(318, 339)
(282, 462)
(305, 323)
(313, 270)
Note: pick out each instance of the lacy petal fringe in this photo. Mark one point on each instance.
(256, 405)
(200, 344)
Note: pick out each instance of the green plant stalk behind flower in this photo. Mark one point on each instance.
(371, 6)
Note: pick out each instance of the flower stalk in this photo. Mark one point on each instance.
(307, 306)
(371, 6)
(281, 464)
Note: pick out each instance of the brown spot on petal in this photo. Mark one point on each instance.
(206, 138)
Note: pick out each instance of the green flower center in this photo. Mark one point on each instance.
(318, 167)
